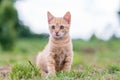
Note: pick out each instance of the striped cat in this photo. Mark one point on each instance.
(58, 54)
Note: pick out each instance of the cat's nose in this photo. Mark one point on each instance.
(57, 33)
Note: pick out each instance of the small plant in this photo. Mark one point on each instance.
(113, 69)
(24, 71)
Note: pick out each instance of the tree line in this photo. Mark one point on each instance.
(11, 27)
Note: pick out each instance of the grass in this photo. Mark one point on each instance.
(93, 60)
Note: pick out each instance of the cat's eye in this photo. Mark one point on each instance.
(53, 27)
(61, 27)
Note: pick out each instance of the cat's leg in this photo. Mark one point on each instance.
(41, 63)
(51, 65)
(68, 63)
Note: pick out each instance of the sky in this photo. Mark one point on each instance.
(88, 17)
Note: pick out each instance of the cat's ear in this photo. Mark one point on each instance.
(67, 17)
(50, 16)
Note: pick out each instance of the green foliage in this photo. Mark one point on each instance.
(113, 69)
(0, 1)
(22, 30)
(103, 64)
(26, 71)
(10, 26)
(8, 18)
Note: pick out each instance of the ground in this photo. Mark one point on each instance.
(93, 60)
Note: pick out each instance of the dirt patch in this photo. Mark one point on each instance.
(4, 71)
(89, 50)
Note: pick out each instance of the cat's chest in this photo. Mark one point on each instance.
(60, 58)
(60, 55)
(60, 51)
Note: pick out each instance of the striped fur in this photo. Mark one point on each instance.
(58, 53)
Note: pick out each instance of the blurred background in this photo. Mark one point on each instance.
(99, 17)
(95, 29)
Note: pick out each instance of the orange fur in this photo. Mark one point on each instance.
(58, 54)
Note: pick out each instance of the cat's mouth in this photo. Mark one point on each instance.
(58, 35)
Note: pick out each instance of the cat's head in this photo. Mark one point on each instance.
(59, 26)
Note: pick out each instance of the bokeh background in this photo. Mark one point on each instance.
(95, 32)
(99, 17)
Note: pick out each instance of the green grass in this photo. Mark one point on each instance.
(93, 60)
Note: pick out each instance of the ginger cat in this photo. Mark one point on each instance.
(58, 54)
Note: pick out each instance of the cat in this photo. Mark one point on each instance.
(58, 54)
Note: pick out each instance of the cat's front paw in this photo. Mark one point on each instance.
(51, 74)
